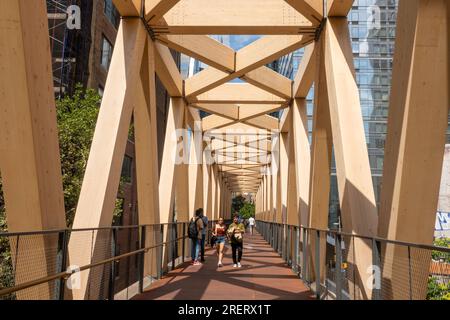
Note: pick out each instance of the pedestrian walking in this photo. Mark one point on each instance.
(195, 234)
(251, 222)
(235, 233)
(219, 233)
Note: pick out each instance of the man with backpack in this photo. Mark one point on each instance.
(195, 234)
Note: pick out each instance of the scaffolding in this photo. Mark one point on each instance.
(62, 45)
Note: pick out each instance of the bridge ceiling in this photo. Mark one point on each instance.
(239, 124)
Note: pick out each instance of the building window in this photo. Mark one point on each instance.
(111, 13)
(127, 169)
(107, 50)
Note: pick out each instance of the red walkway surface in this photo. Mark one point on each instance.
(263, 276)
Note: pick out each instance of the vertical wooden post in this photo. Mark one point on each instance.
(175, 121)
(414, 150)
(147, 171)
(276, 185)
(29, 151)
(101, 181)
(321, 148)
(206, 185)
(302, 157)
(196, 192)
(354, 177)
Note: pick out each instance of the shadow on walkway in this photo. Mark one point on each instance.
(263, 276)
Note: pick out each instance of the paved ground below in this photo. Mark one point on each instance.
(263, 276)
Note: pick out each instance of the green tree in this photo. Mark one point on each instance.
(437, 291)
(247, 211)
(6, 270)
(439, 255)
(77, 117)
(237, 203)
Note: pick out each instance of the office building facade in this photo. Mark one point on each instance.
(372, 26)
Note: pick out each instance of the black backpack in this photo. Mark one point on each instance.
(193, 232)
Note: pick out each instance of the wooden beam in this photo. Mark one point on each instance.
(213, 193)
(184, 177)
(168, 72)
(146, 149)
(310, 9)
(233, 17)
(356, 194)
(284, 171)
(227, 111)
(270, 81)
(321, 150)
(206, 185)
(240, 129)
(229, 176)
(128, 8)
(175, 122)
(214, 122)
(302, 153)
(236, 93)
(29, 151)
(305, 74)
(156, 9)
(253, 111)
(267, 49)
(242, 179)
(339, 8)
(251, 57)
(240, 151)
(203, 48)
(286, 120)
(101, 181)
(418, 120)
(244, 183)
(243, 176)
(264, 122)
(255, 143)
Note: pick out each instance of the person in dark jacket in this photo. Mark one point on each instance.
(197, 241)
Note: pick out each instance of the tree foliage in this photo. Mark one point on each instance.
(77, 117)
(247, 211)
(438, 290)
(237, 203)
(439, 255)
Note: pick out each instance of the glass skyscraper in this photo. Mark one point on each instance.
(372, 26)
(372, 30)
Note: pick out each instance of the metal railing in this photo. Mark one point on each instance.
(327, 262)
(37, 265)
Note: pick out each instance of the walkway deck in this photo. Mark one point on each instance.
(263, 276)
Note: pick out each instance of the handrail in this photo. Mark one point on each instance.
(341, 233)
(50, 231)
(67, 274)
